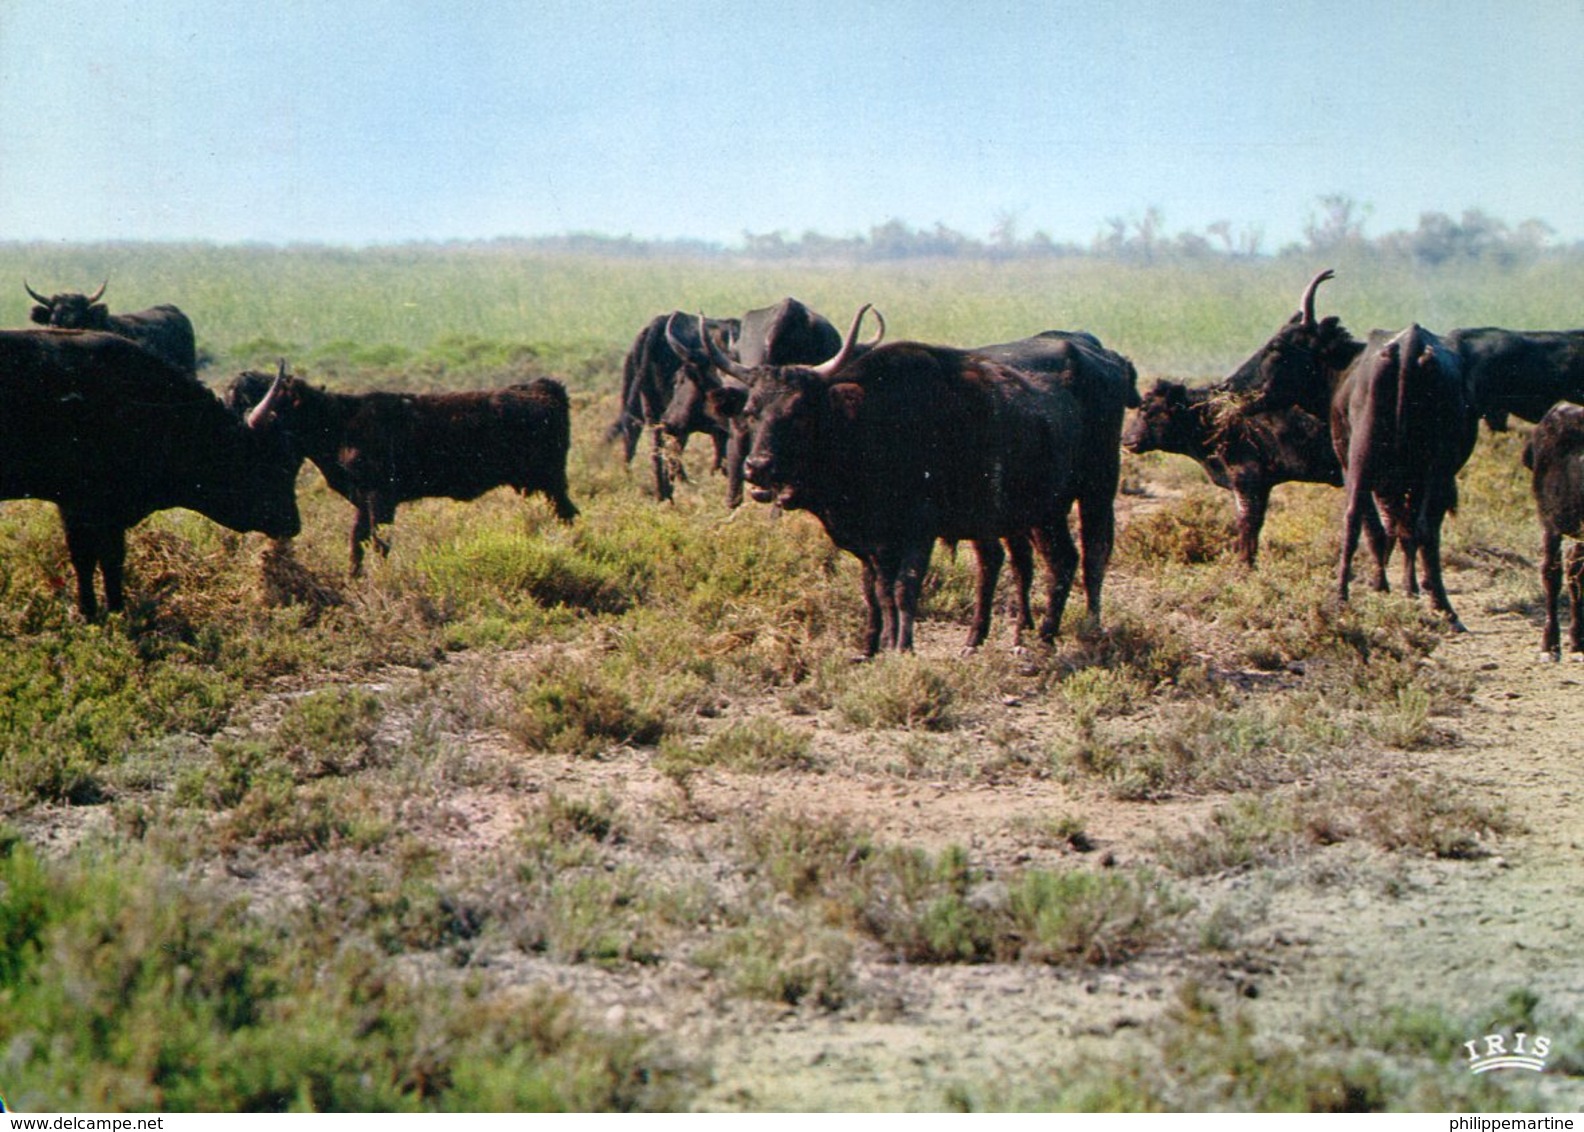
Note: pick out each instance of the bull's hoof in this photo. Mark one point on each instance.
(1548, 656)
(1577, 655)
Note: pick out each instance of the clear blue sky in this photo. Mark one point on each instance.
(358, 121)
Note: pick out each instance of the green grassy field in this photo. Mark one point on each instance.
(236, 869)
(249, 304)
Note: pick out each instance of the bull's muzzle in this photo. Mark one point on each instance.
(757, 471)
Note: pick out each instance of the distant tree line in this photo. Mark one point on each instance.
(1336, 228)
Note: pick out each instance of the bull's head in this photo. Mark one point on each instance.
(779, 407)
(70, 311)
(1302, 361)
(686, 412)
(1164, 421)
(258, 468)
(726, 399)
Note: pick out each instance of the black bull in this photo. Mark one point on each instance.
(110, 433)
(902, 445)
(163, 330)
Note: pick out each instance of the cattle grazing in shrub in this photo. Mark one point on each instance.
(1274, 409)
(163, 330)
(111, 433)
(650, 376)
(1554, 452)
(381, 449)
(1247, 451)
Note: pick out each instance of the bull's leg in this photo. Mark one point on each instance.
(1430, 550)
(1575, 579)
(912, 564)
(736, 453)
(112, 564)
(1055, 545)
(1022, 577)
(885, 594)
(662, 467)
(1413, 550)
(370, 513)
(1380, 547)
(1251, 501)
(82, 544)
(875, 624)
(1098, 518)
(362, 528)
(990, 556)
(1551, 583)
(565, 509)
(1352, 520)
(383, 513)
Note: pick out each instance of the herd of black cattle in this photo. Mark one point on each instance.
(893, 447)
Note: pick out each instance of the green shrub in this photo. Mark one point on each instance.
(785, 961)
(329, 732)
(900, 691)
(573, 709)
(1189, 531)
(132, 988)
(757, 745)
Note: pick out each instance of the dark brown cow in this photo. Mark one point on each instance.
(380, 449)
(1247, 452)
(1519, 373)
(650, 375)
(163, 330)
(110, 433)
(902, 445)
(787, 333)
(1403, 426)
(1554, 452)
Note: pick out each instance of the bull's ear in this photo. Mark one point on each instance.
(847, 399)
(99, 310)
(1528, 452)
(1176, 395)
(40, 315)
(726, 400)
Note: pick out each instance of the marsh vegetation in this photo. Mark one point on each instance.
(603, 816)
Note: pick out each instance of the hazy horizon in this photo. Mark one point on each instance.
(374, 123)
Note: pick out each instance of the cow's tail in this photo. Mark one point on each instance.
(1407, 356)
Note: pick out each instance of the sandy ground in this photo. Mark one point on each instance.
(1344, 932)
